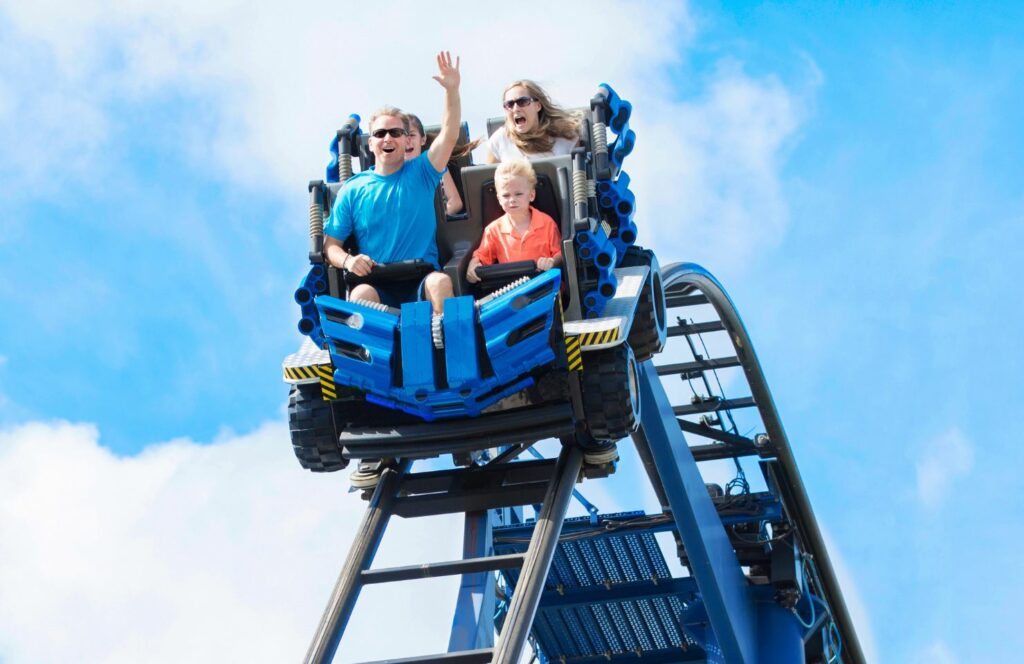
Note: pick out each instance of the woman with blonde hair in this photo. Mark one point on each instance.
(534, 126)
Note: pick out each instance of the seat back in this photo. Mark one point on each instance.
(554, 196)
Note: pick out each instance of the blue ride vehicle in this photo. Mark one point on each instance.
(522, 356)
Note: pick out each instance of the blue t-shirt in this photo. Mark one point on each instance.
(392, 216)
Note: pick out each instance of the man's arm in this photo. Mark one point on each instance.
(449, 77)
(340, 225)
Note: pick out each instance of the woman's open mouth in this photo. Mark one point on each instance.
(520, 120)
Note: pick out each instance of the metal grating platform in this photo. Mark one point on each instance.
(610, 595)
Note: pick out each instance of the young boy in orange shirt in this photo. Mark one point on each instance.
(523, 232)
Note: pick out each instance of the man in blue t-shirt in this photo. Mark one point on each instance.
(390, 209)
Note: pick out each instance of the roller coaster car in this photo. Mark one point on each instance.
(522, 356)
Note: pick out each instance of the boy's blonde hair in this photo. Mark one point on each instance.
(516, 168)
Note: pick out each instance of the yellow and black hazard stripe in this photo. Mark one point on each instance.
(598, 338)
(322, 372)
(300, 373)
(327, 386)
(573, 354)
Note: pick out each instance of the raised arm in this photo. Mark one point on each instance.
(449, 77)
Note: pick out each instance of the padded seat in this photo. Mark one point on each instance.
(459, 237)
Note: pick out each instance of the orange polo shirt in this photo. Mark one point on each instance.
(502, 243)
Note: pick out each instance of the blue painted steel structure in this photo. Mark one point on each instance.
(365, 341)
(759, 587)
(608, 593)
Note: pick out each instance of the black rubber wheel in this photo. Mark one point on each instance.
(611, 394)
(647, 334)
(314, 435)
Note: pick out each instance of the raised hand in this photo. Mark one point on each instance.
(448, 75)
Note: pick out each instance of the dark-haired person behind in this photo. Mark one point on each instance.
(417, 140)
(390, 208)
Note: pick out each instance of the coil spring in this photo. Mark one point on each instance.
(598, 138)
(579, 187)
(316, 219)
(591, 189)
(379, 306)
(501, 291)
(344, 167)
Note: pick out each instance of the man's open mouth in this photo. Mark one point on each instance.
(388, 150)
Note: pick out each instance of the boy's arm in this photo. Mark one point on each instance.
(471, 275)
(449, 77)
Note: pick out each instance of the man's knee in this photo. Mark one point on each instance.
(364, 292)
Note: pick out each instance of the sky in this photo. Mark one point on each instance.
(850, 172)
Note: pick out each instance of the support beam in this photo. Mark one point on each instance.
(712, 405)
(717, 434)
(697, 367)
(683, 329)
(473, 624)
(360, 557)
(481, 656)
(447, 568)
(530, 586)
(712, 559)
(677, 300)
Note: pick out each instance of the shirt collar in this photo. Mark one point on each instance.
(505, 224)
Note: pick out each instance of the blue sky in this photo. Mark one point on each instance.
(852, 174)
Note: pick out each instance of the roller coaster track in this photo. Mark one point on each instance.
(597, 589)
(689, 285)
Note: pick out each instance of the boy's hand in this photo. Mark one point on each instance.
(448, 75)
(471, 275)
(545, 263)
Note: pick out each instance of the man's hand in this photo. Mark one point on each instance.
(448, 76)
(545, 263)
(359, 265)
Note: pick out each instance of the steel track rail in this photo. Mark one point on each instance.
(683, 279)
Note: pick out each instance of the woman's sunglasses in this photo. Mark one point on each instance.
(394, 131)
(521, 102)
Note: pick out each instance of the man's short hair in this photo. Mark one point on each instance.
(390, 111)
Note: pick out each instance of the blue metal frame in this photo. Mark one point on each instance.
(363, 342)
(724, 589)
(473, 624)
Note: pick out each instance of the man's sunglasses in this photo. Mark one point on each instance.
(394, 131)
(521, 102)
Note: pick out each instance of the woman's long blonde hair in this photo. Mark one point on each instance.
(552, 122)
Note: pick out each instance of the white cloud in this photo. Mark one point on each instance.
(220, 552)
(936, 653)
(274, 84)
(942, 461)
(851, 596)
